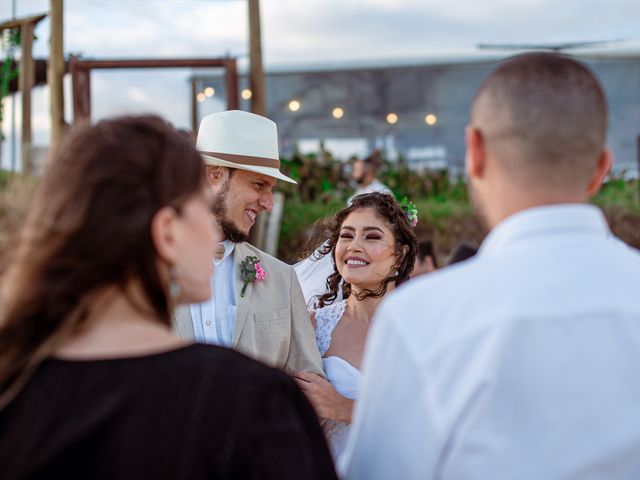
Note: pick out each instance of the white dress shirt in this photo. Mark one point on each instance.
(520, 363)
(213, 320)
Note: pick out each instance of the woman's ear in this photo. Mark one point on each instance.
(164, 234)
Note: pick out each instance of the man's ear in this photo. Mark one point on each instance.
(605, 161)
(476, 152)
(164, 234)
(215, 175)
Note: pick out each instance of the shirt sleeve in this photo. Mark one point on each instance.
(303, 351)
(390, 434)
(283, 439)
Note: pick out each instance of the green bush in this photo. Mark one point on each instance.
(445, 216)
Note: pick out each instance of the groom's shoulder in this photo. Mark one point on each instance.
(271, 264)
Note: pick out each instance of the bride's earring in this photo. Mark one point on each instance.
(174, 286)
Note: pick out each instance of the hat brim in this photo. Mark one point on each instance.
(268, 171)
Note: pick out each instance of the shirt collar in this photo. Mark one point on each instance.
(561, 218)
(229, 247)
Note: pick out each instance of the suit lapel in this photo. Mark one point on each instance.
(184, 324)
(242, 303)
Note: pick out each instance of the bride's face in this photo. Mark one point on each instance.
(365, 251)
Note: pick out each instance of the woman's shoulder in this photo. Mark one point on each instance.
(326, 318)
(333, 311)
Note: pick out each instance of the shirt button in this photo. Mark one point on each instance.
(208, 323)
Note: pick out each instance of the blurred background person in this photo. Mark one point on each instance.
(463, 251)
(373, 249)
(365, 174)
(425, 259)
(92, 382)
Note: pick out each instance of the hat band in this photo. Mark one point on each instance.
(245, 159)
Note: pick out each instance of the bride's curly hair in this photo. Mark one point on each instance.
(389, 211)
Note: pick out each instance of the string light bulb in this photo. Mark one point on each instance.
(294, 105)
(431, 119)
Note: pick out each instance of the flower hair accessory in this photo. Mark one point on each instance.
(410, 210)
(251, 271)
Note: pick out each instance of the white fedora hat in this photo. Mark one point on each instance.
(242, 140)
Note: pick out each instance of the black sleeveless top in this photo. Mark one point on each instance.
(196, 412)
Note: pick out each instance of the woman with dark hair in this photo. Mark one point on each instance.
(92, 382)
(373, 248)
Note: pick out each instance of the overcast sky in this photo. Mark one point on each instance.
(297, 31)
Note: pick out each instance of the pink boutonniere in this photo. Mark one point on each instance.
(251, 271)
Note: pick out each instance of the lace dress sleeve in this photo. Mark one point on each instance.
(326, 320)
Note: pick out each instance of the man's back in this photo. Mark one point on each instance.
(523, 360)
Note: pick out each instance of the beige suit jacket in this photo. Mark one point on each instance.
(272, 323)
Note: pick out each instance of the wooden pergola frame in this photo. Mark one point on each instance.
(81, 80)
(26, 77)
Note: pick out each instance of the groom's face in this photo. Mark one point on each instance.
(240, 196)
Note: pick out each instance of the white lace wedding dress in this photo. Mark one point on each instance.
(344, 377)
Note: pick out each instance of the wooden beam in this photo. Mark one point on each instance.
(146, 63)
(55, 73)
(19, 22)
(25, 80)
(81, 80)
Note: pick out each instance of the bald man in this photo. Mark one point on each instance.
(522, 362)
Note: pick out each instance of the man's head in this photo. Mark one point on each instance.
(241, 153)
(365, 170)
(239, 197)
(536, 135)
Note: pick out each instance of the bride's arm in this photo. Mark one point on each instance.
(327, 402)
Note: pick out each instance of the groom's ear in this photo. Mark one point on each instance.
(215, 175)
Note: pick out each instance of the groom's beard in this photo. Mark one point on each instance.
(229, 228)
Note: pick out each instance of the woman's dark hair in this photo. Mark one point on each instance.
(388, 210)
(89, 227)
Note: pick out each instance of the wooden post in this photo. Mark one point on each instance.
(55, 73)
(26, 79)
(231, 80)
(274, 223)
(194, 108)
(257, 235)
(81, 86)
(256, 74)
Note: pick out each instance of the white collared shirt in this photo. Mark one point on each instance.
(520, 363)
(213, 320)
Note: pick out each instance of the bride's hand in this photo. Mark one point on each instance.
(324, 398)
